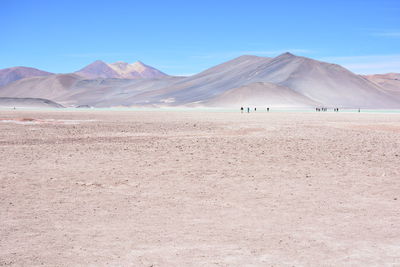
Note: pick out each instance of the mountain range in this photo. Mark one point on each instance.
(283, 81)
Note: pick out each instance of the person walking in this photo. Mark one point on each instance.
(241, 109)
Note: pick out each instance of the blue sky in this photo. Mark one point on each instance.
(185, 37)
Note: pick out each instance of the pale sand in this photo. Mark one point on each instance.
(199, 189)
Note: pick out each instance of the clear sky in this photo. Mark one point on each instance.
(185, 37)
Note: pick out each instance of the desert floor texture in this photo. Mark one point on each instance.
(169, 188)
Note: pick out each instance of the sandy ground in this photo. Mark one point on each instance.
(97, 188)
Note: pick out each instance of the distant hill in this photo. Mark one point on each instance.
(74, 90)
(48, 87)
(11, 102)
(390, 82)
(10, 75)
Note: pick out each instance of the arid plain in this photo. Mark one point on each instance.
(169, 188)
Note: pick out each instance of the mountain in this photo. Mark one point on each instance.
(49, 87)
(286, 80)
(12, 102)
(261, 94)
(97, 69)
(328, 84)
(74, 90)
(122, 70)
(136, 70)
(209, 83)
(111, 92)
(390, 82)
(16, 73)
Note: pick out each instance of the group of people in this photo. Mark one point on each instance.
(242, 109)
(326, 109)
(248, 109)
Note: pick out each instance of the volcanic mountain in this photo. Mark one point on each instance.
(16, 73)
(324, 83)
(123, 70)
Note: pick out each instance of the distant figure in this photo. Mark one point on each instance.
(359, 110)
(255, 109)
(248, 110)
(241, 109)
(267, 109)
(14, 107)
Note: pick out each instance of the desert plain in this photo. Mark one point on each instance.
(198, 188)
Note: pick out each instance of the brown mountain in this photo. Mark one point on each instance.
(122, 70)
(10, 75)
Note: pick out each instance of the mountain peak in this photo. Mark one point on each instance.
(138, 63)
(97, 69)
(16, 73)
(139, 66)
(246, 57)
(117, 66)
(120, 69)
(98, 62)
(286, 55)
(120, 63)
